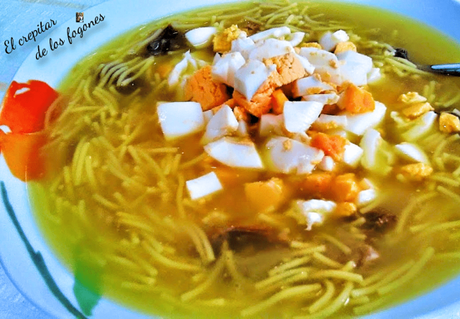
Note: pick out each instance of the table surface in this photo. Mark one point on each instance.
(18, 18)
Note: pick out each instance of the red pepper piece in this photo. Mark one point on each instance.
(22, 153)
(24, 112)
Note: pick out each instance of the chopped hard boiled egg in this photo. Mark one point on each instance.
(289, 156)
(412, 152)
(271, 33)
(250, 77)
(377, 153)
(352, 154)
(243, 45)
(221, 124)
(310, 85)
(295, 38)
(300, 115)
(327, 164)
(188, 62)
(354, 67)
(178, 119)
(235, 152)
(421, 126)
(201, 37)
(270, 48)
(271, 124)
(359, 123)
(315, 210)
(329, 40)
(203, 186)
(365, 197)
(328, 98)
(224, 68)
(330, 122)
(326, 63)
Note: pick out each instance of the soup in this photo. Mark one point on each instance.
(181, 191)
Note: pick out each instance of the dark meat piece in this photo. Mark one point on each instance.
(379, 222)
(167, 39)
(240, 238)
(401, 53)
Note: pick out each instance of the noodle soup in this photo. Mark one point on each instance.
(330, 237)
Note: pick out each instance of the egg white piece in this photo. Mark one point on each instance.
(412, 152)
(243, 45)
(359, 123)
(365, 197)
(421, 126)
(224, 68)
(326, 98)
(352, 154)
(370, 145)
(271, 124)
(201, 37)
(251, 76)
(326, 63)
(235, 152)
(295, 38)
(270, 33)
(315, 210)
(327, 164)
(329, 40)
(374, 75)
(305, 85)
(289, 156)
(354, 67)
(179, 119)
(222, 123)
(300, 115)
(203, 186)
(336, 121)
(270, 48)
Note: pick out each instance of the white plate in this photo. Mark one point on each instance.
(23, 245)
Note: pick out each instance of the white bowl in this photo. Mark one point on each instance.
(24, 254)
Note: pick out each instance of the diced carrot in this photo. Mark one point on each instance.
(265, 195)
(22, 154)
(24, 112)
(356, 100)
(164, 69)
(345, 188)
(278, 99)
(203, 89)
(332, 145)
(317, 184)
(345, 209)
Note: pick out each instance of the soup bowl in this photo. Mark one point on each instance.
(25, 255)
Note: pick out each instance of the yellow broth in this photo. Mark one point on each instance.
(130, 232)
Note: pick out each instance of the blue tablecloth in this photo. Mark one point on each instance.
(19, 18)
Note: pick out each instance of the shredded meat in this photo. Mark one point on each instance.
(379, 222)
(167, 39)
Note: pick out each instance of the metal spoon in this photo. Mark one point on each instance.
(452, 69)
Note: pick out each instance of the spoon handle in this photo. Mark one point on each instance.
(446, 69)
